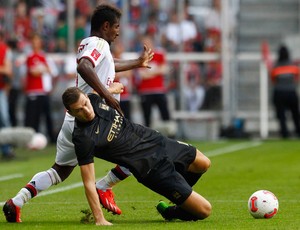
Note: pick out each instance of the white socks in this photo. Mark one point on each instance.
(40, 182)
(108, 181)
(22, 197)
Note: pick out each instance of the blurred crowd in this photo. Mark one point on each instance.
(158, 20)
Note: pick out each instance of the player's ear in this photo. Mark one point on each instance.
(106, 25)
(71, 113)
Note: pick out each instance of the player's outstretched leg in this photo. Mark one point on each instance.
(104, 188)
(40, 182)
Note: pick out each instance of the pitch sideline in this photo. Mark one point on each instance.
(212, 153)
(232, 148)
(11, 176)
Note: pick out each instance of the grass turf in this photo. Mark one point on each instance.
(236, 172)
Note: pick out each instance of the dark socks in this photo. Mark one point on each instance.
(119, 173)
(175, 212)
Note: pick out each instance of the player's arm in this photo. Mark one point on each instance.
(142, 61)
(88, 178)
(86, 70)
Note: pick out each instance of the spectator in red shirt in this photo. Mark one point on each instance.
(37, 88)
(5, 78)
(126, 78)
(151, 84)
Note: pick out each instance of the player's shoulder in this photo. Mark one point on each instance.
(95, 41)
(96, 100)
(94, 96)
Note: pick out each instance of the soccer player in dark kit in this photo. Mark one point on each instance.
(164, 165)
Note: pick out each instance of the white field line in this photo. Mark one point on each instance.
(232, 148)
(61, 189)
(11, 176)
(216, 152)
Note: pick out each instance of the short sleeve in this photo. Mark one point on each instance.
(95, 51)
(84, 148)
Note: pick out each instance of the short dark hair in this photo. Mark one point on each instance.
(71, 96)
(104, 13)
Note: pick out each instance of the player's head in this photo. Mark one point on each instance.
(105, 22)
(283, 53)
(36, 41)
(78, 104)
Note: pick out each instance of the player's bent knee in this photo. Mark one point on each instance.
(198, 206)
(201, 163)
(206, 163)
(206, 211)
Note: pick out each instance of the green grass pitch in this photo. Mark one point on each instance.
(238, 169)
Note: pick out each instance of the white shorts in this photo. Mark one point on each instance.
(65, 152)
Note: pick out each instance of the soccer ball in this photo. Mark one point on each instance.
(263, 204)
(37, 142)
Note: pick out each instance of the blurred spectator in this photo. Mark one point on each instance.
(44, 17)
(80, 22)
(156, 19)
(5, 80)
(126, 78)
(194, 91)
(61, 33)
(22, 24)
(152, 28)
(285, 76)
(179, 32)
(70, 69)
(213, 69)
(84, 8)
(62, 30)
(151, 84)
(16, 90)
(38, 86)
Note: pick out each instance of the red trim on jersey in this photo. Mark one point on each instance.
(89, 58)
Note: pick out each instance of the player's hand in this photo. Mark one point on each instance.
(146, 57)
(116, 88)
(103, 222)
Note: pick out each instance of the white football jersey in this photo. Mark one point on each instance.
(97, 50)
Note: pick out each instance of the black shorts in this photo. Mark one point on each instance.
(167, 177)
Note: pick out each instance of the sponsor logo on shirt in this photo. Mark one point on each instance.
(97, 130)
(115, 128)
(103, 106)
(95, 54)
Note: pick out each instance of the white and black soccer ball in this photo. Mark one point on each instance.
(37, 142)
(263, 204)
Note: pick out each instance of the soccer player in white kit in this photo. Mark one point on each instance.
(96, 71)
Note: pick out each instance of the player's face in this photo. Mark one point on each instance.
(114, 31)
(82, 109)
